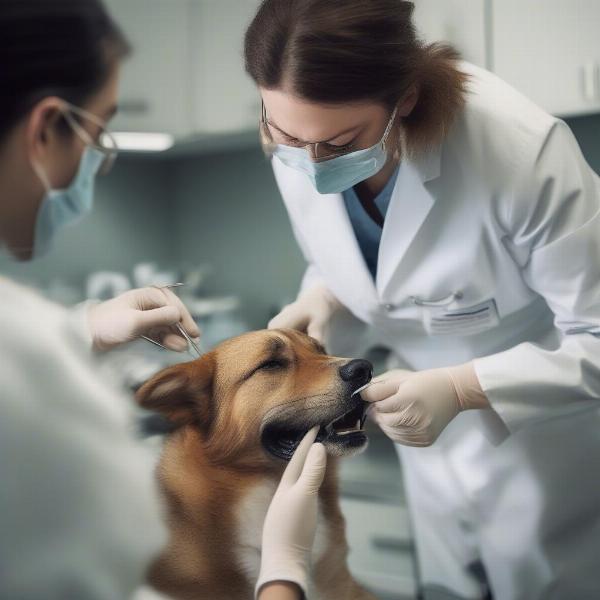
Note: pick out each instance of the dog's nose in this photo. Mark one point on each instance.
(357, 371)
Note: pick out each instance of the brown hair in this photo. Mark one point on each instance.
(341, 51)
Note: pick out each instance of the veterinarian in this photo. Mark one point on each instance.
(78, 506)
(446, 217)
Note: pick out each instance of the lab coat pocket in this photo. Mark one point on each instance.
(461, 321)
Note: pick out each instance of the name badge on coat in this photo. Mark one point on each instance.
(438, 319)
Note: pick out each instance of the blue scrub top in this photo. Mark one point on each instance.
(367, 232)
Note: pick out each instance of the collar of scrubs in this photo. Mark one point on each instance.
(367, 230)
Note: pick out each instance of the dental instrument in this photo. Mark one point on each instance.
(179, 327)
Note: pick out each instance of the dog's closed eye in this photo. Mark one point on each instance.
(272, 364)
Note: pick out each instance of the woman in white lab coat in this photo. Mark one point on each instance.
(79, 512)
(448, 218)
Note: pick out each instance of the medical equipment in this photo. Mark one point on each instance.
(190, 341)
(364, 387)
(178, 326)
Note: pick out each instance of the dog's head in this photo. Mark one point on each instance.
(262, 392)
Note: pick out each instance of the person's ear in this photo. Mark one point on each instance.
(43, 129)
(409, 101)
(182, 393)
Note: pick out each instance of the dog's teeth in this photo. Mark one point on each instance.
(350, 430)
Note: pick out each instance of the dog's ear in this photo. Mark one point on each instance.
(182, 393)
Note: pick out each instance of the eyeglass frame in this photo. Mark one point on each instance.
(110, 154)
(270, 145)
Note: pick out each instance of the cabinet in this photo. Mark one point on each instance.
(462, 23)
(225, 97)
(547, 49)
(550, 51)
(186, 75)
(155, 93)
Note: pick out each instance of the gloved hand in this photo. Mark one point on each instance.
(291, 521)
(413, 408)
(310, 313)
(148, 311)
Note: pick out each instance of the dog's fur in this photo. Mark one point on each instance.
(218, 475)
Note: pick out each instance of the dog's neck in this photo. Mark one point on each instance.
(227, 504)
(197, 478)
(189, 469)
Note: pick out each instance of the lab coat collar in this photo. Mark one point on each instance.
(428, 165)
(410, 204)
(338, 255)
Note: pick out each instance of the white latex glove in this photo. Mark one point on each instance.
(148, 311)
(291, 521)
(413, 408)
(310, 313)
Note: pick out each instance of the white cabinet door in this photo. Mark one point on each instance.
(462, 23)
(155, 85)
(550, 51)
(225, 98)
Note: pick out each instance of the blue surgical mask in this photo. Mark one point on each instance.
(60, 208)
(339, 174)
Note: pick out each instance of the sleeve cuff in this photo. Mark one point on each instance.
(79, 322)
(297, 576)
(506, 415)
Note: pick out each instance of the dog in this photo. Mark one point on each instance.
(239, 413)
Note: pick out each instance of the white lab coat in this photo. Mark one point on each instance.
(490, 251)
(79, 510)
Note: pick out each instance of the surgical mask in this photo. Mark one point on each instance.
(338, 174)
(60, 208)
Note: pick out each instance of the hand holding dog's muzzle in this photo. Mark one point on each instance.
(291, 521)
(413, 408)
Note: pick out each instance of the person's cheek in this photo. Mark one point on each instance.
(66, 166)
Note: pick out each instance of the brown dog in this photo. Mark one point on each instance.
(242, 410)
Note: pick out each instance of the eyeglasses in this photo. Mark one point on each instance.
(104, 143)
(321, 151)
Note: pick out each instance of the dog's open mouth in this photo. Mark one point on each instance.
(341, 436)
